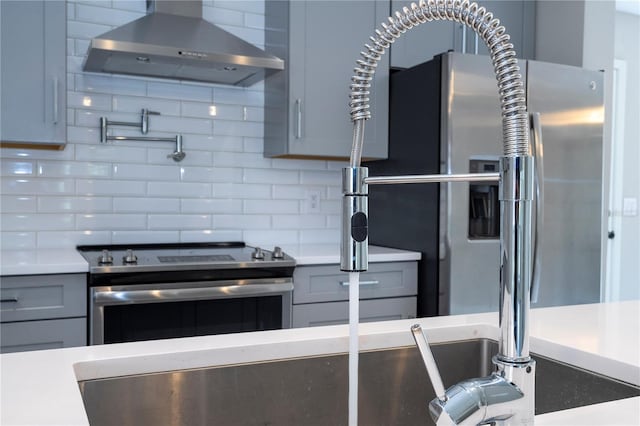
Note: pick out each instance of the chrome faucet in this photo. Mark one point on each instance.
(505, 397)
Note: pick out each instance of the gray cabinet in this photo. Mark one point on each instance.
(306, 106)
(33, 79)
(387, 291)
(420, 44)
(43, 311)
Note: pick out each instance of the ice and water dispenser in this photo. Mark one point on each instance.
(484, 206)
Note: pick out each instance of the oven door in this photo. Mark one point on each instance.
(130, 313)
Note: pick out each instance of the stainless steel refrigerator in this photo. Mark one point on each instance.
(444, 118)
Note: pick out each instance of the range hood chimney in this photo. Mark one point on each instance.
(173, 41)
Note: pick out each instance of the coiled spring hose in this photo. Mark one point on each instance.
(515, 121)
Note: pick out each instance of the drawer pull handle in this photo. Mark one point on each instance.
(346, 283)
(9, 300)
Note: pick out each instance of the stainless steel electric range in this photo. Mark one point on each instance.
(153, 291)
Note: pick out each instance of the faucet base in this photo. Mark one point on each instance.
(522, 376)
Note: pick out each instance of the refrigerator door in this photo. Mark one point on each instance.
(570, 103)
(471, 141)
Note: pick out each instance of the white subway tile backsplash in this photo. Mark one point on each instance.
(307, 221)
(209, 235)
(193, 157)
(37, 186)
(210, 206)
(270, 238)
(85, 135)
(320, 178)
(253, 145)
(138, 103)
(37, 222)
(241, 222)
(91, 187)
(144, 237)
(17, 240)
(181, 125)
(237, 96)
(222, 16)
(129, 191)
(211, 174)
(135, 6)
(183, 92)
(64, 169)
(17, 168)
(146, 205)
(179, 189)
(18, 204)
(88, 100)
(74, 204)
(105, 15)
(242, 6)
(58, 239)
(140, 172)
(179, 222)
(325, 236)
(102, 221)
(270, 206)
(238, 128)
(242, 191)
(111, 152)
(240, 159)
(271, 176)
(86, 30)
(228, 143)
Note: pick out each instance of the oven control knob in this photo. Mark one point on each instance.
(257, 254)
(129, 257)
(105, 258)
(277, 253)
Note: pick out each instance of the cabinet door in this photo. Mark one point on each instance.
(39, 335)
(325, 41)
(422, 43)
(33, 71)
(332, 313)
(31, 297)
(518, 17)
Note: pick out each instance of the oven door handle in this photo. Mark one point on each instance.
(125, 297)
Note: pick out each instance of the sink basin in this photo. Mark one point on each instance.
(393, 389)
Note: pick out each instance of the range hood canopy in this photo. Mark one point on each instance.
(173, 41)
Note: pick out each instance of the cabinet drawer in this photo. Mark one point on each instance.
(38, 335)
(327, 283)
(332, 313)
(32, 297)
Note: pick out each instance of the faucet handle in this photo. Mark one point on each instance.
(429, 361)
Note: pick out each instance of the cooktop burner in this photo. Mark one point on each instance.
(131, 258)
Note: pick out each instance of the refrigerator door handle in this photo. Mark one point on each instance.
(537, 151)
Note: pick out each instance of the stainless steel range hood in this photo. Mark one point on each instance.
(173, 41)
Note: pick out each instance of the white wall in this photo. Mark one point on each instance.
(627, 48)
(129, 191)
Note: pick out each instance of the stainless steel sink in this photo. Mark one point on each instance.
(393, 390)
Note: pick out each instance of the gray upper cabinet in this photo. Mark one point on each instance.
(306, 106)
(33, 72)
(422, 43)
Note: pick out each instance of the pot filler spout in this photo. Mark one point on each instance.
(507, 395)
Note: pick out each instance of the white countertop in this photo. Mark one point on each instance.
(42, 261)
(41, 387)
(319, 254)
(68, 260)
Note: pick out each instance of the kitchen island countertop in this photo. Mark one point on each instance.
(41, 387)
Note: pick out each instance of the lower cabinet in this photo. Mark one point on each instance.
(45, 334)
(43, 312)
(388, 291)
